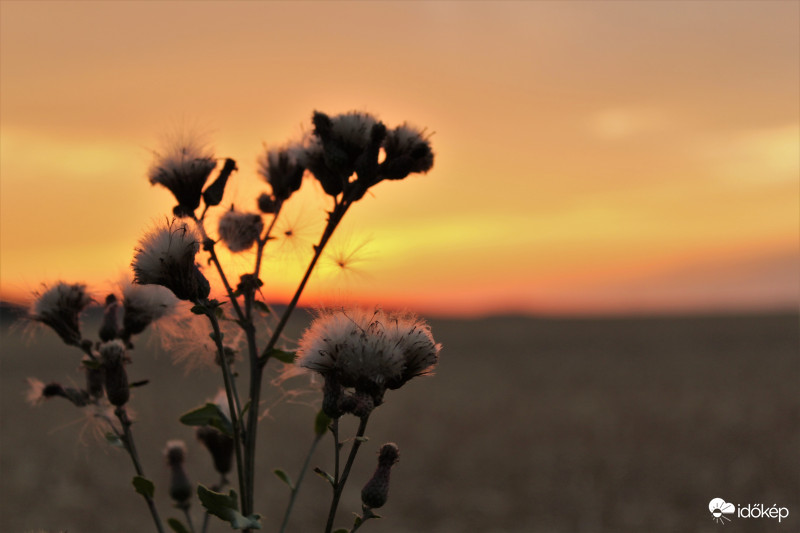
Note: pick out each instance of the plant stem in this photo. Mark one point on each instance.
(188, 519)
(232, 404)
(334, 218)
(122, 415)
(300, 477)
(339, 483)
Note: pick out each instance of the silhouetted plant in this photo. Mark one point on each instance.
(359, 353)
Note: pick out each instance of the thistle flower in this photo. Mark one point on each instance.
(180, 489)
(369, 351)
(407, 151)
(143, 305)
(183, 169)
(165, 257)
(112, 355)
(239, 231)
(376, 491)
(281, 168)
(60, 307)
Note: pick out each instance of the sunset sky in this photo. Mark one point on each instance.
(590, 156)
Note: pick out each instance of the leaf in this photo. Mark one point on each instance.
(261, 306)
(283, 476)
(144, 486)
(177, 526)
(226, 507)
(321, 423)
(320, 472)
(280, 355)
(362, 439)
(208, 415)
(213, 194)
(199, 309)
(341, 530)
(114, 440)
(219, 312)
(139, 383)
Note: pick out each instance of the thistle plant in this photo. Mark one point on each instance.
(358, 354)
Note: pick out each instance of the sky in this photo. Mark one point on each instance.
(591, 157)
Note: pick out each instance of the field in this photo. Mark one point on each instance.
(530, 425)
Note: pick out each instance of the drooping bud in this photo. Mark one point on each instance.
(116, 378)
(376, 491)
(180, 489)
(219, 445)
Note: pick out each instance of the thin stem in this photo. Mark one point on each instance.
(334, 218)
(122, 415)
(300, 477)
(339, 483)
(262, 242)
(208, 245)
(232, 404)
(188, 518)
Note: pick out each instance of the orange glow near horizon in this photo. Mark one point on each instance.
(591, 157)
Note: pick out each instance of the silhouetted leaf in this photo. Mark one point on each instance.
(283, 476)
(226, 507)
(321, 423)
(208, 415)
(176, 525)
(144, 486)
(280, 355)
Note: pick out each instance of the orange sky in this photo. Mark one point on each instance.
(590, 156)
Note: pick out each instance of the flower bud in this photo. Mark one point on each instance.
(332, 393)
(376, 491)
(109, 328)
(219, 445)
(180, 489)
(94, 380)
(116, 378)
(266, 203)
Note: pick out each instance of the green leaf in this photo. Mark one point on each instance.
(283, 476)
(321, 423)
(144, 486)
(177, 526)
(208, 415)
(92, 364)
(323, 474)
(341, 530)
(261, 306)
(280, 355)
(226, 507)
(199, 309)
(114, 440)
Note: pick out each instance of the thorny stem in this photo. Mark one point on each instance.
(338, 485)
(232, 405)
(122, 415)
(300, 477)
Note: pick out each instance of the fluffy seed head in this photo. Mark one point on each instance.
(368, 350)
(165, 256)
(281, 168)
(407, 150)
(239, 231)
(60, 307)
(183, 169)
(144, 304)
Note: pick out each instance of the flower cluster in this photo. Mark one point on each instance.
(368, 351)
(351, 143)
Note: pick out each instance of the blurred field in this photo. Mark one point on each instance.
(530, 425)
